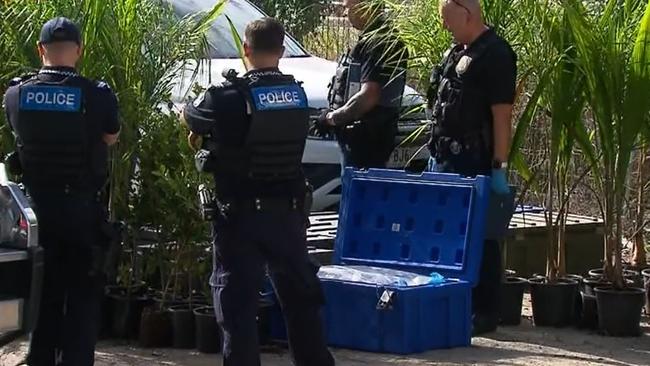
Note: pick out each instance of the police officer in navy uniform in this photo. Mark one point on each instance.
(253, 130)
(63, 124)
(471, 97)
(366, 92)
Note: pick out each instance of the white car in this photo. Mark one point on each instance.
(321, 159)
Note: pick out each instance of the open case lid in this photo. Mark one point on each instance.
(429, 222)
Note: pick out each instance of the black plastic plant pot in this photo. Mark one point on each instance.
(155, 328)
(631, 276)
(208, 339)
(183, 325)
(596, 272)
(577, 312)
(619, 311)
(646, 285)
(111, 292)
(590, 284)
(127, 311)
(512, 296)
(553, 303)
(589, 314)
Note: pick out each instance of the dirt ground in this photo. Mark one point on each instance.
(510, 346)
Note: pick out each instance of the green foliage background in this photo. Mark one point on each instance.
(300, 17)
(140, 48)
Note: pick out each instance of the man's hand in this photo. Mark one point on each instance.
(322, 126)
(329, 119)
(195, 141)
(500, 181)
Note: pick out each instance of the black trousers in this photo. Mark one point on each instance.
(67, 327)
(244, 243)
(487, 294)
(370, 143)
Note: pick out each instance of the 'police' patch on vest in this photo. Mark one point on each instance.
(50, 98)
(279, 97)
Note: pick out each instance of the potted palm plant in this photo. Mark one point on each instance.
(559, 96)
(166, 182)
(614, 57)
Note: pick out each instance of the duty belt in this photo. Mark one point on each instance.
(262, 204)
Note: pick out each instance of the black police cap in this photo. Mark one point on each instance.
(60, 30)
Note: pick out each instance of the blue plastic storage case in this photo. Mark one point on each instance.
(420, 223)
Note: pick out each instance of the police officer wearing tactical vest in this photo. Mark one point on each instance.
(63, 124)
(254, 129)
(366, 93)
(471, 97)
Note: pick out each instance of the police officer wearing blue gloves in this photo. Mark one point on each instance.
(471, 99)
(253, 130)
(63, 124)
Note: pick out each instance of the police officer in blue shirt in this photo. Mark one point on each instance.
(254, 130)
(63, 124)
(471, 97)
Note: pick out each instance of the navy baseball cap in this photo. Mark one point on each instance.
(60, 30)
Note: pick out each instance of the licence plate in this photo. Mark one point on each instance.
(401, 156)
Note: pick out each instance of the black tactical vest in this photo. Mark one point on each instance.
(462, 126)
(53, 136)
(347, 82)
(279, 122)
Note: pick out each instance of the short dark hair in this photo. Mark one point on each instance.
(265, 35)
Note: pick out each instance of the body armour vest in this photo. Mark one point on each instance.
(279, 122)
(347, 82)
(53, 136)
(461, 122)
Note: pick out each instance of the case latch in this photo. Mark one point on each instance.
(386, 300)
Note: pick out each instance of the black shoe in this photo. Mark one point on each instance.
(482, 324)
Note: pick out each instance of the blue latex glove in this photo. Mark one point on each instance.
(436, 278)
(500, 182)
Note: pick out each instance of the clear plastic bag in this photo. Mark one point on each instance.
(378, 276)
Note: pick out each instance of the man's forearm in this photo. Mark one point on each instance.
(502, 131)
(360, 104)
(352, 111)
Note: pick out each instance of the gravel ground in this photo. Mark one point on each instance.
(511, 346)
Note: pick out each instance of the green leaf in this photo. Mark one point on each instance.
(238, 41)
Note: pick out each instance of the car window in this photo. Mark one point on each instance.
(220, 40)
